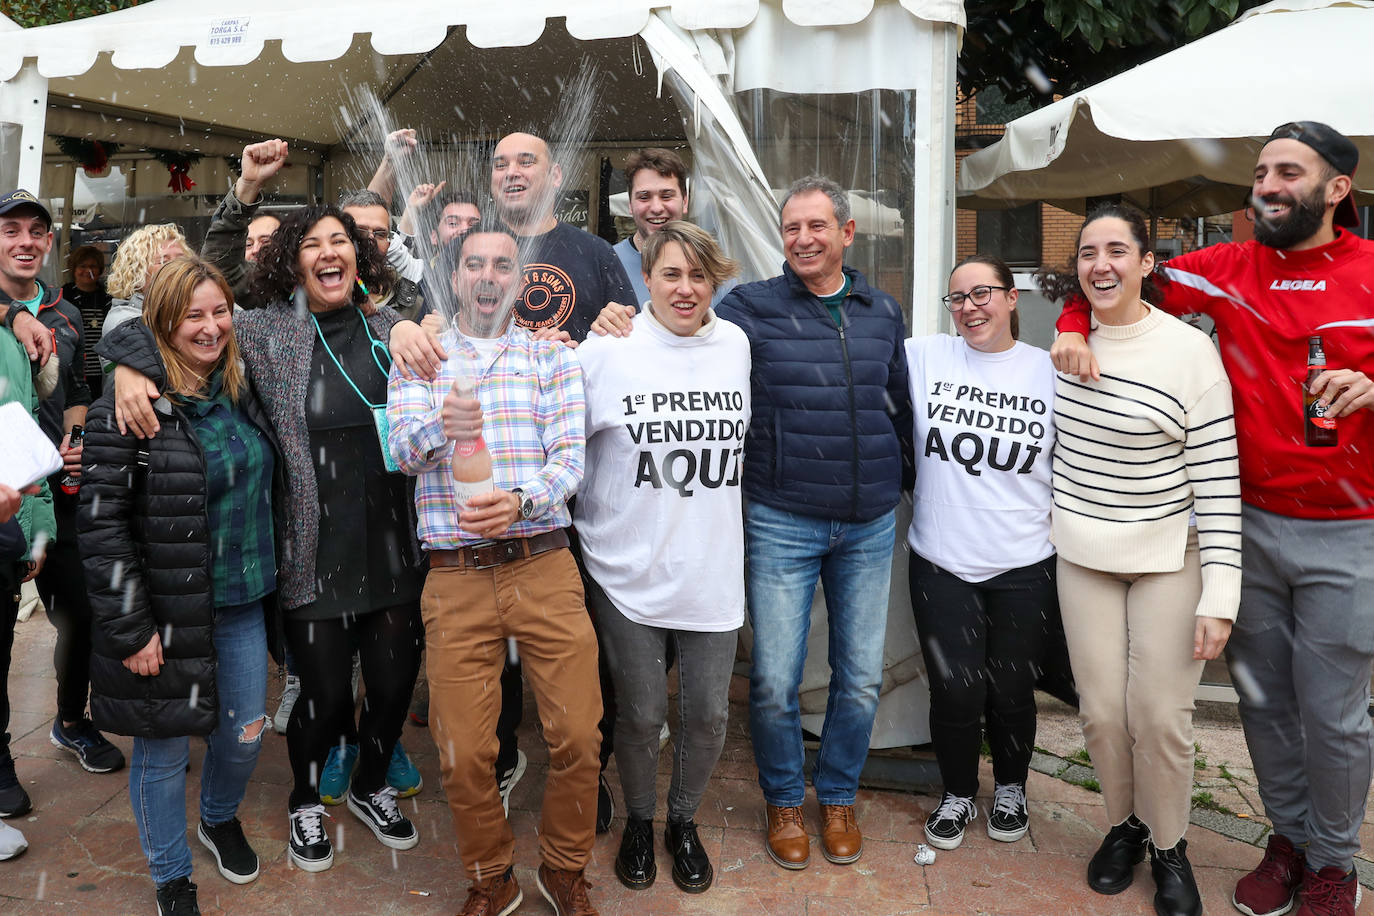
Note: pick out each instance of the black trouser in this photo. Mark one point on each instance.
(62, 586)
(513, 690)
(983, 644)
(388, 644)
(9, 616)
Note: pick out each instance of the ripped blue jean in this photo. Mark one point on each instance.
(157, 774)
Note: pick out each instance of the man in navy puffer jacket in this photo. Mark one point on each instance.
(830, 433)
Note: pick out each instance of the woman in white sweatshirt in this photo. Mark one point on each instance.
(660, 521)
(1147, 527)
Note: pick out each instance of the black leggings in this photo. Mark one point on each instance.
(62, 587)
(388, 643)
(983, 645)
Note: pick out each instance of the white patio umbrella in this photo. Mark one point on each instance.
(1179, 135)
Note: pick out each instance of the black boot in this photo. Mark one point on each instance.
(1175, 890)
(692, 870)
(634, 864)
(1110, 871)
(14, 801)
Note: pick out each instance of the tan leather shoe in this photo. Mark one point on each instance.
(841, 841)
(499, 896)
(788, 844)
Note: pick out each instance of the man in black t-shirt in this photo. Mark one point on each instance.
(569, 275)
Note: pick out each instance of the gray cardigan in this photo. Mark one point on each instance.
(277, 343)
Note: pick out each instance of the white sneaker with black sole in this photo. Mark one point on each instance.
(379, 812)
(308, 845)
(946, 824)
(505, 783)
(1008, 818)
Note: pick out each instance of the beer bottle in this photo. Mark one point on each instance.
(471, 459)
(1319, 429)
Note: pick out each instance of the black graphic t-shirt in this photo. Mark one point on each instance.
(569, 277)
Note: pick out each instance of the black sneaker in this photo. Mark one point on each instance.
(236, 859)
(177, 898)
(308, 845)
(379, 812)
(507, 778)
(90, 747)
(1008, 818)
(945, 826)
(692, 870)
(14, 801)
(605, 804)
(634, 863)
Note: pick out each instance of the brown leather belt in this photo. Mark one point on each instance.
(496, 553)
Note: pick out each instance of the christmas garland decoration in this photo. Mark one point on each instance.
(178, 165)
(92, 155)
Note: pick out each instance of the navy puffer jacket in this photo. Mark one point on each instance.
(831, 430)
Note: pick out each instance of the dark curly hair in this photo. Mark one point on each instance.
(1059, 283)
(277, 273)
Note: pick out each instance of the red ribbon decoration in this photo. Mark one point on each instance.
(181, 180)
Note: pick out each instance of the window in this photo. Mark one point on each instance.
(1013, 235)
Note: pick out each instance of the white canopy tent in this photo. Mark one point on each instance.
(762, 91)
(1179, 135)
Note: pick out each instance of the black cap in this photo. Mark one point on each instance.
(1333, 146)
(21, 198)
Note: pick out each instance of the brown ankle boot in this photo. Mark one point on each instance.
(788, 844)
(841, 841)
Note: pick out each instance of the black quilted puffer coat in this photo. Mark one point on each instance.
(145, 545)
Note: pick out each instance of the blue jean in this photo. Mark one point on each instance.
(787, 554)
(157, 774)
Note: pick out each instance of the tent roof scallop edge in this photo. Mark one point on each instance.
(152, 34)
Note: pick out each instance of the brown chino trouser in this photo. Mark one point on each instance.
(468, 614)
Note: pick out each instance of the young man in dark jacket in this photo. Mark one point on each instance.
(830, 432)
(25, 240)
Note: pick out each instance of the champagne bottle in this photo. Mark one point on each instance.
(471, 459)
(72, 485)
(1319, 429)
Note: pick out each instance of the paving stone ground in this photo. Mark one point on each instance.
(84, 855)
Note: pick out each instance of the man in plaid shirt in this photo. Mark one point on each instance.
(500, 570)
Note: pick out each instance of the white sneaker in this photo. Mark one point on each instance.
(12, 842)
(506, 783)
(357, 675)
(289, 696)
(664, 736)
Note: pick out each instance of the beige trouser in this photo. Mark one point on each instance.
(1131, 644)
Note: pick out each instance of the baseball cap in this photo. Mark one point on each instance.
(1335, 148)
(21, 198)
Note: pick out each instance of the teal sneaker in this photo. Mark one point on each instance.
(338, 773)
(402, 775)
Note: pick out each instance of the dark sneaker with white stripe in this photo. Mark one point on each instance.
(946, 824)
(308, 845)
(1008, 818)
(97, 755)
(605, 804)
(177, 898)
(379, 812)
(236, 859)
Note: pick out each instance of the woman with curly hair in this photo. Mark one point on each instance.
(135, 263)
(319, 364)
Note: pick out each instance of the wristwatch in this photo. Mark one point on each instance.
(526, 504)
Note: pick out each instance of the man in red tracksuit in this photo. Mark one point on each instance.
(1301, 652)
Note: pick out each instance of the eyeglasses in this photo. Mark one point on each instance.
(378, 235)
(979, 295)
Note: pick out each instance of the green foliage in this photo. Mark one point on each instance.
(30, 13)
(1081, 755)
(1205, 800)
(1034, 49)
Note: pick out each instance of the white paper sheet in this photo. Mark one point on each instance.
(26, 454)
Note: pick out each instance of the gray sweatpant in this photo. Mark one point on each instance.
(1300, 659)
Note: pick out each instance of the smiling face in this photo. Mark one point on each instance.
(814, 243)
(1112, 269)
(375, 221)
(456, 219)
(679, 291)
(169, 250)
(86, 274)
(259, 231)
(327, 265)
(486, 280)
(984, 327)
(654, 200)
(205, 331)
(1294, 195)
(25, 239)
(524, 182)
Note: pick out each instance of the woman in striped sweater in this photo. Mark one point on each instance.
(1146, 522)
